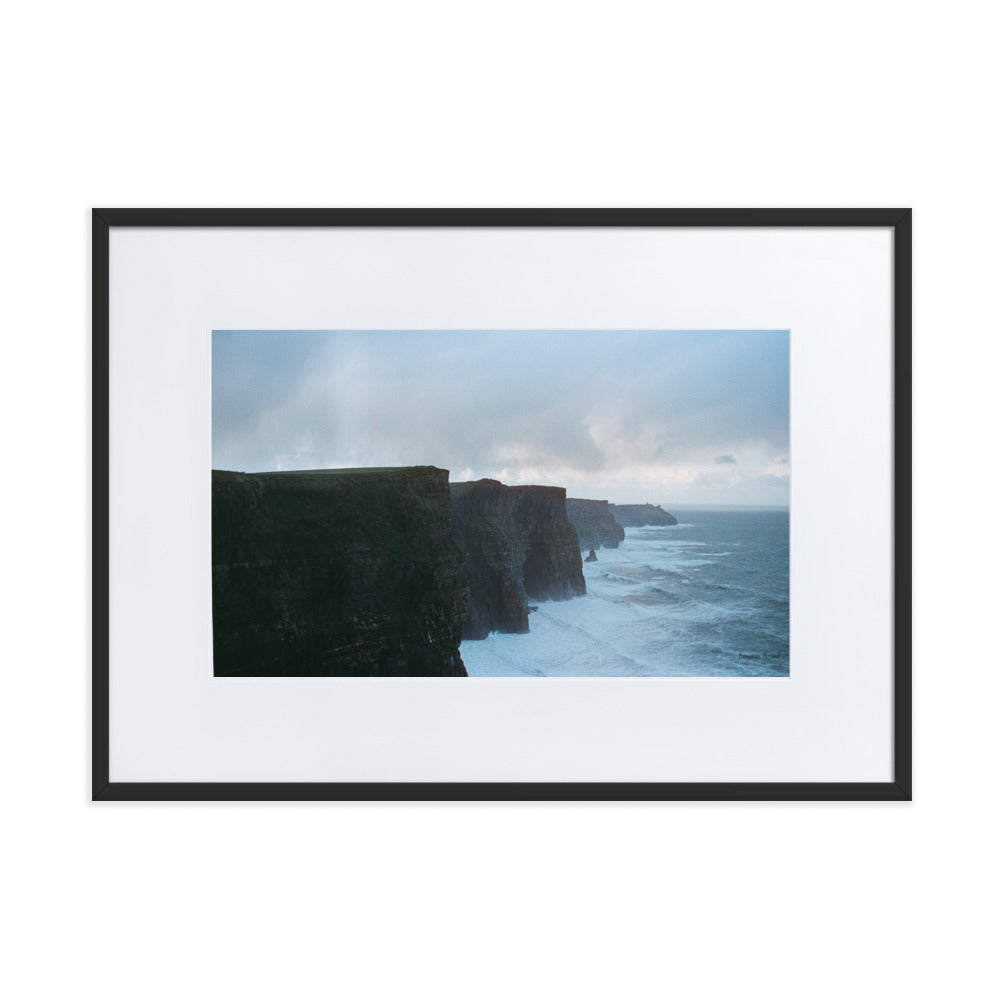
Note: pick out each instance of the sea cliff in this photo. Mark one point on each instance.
(519, 545)
(638, 515)
(336, 573)
(595, 525)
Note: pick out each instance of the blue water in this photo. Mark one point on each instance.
(707, 597)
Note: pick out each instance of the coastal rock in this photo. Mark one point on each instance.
(592, 557)
(519, 544)
(594, 523)
(336, 573)
(638, 515)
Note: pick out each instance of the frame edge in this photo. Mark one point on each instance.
(903, 502)
(898, 789)
(100, 501)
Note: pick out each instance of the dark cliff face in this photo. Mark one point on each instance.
(519, 545)
(553, 569)
(484, 520)
(638, 515)
(336, 573)
(595, 525)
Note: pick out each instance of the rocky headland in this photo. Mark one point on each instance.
(519, 544)
(638, 515)
(344, 572)
(595, 524)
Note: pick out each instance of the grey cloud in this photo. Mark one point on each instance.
(596, 405)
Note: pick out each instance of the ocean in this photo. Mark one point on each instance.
(707, 597)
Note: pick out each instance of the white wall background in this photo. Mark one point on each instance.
(496, 104)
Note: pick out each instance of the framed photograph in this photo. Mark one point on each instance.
(556, 504)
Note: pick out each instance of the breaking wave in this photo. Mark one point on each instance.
(708, 601)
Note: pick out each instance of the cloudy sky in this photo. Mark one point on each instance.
(627, 416)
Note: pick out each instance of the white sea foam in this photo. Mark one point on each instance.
(650, 610)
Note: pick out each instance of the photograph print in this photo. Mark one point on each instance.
(497, 504)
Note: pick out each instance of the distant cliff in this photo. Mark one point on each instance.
(637, 515)
(336, 573)
(595, 525)
(519, 545)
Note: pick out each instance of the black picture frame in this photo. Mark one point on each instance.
(899, 220)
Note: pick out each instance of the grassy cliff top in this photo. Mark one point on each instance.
(460, 489)
(364, 470)
(372, 472)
